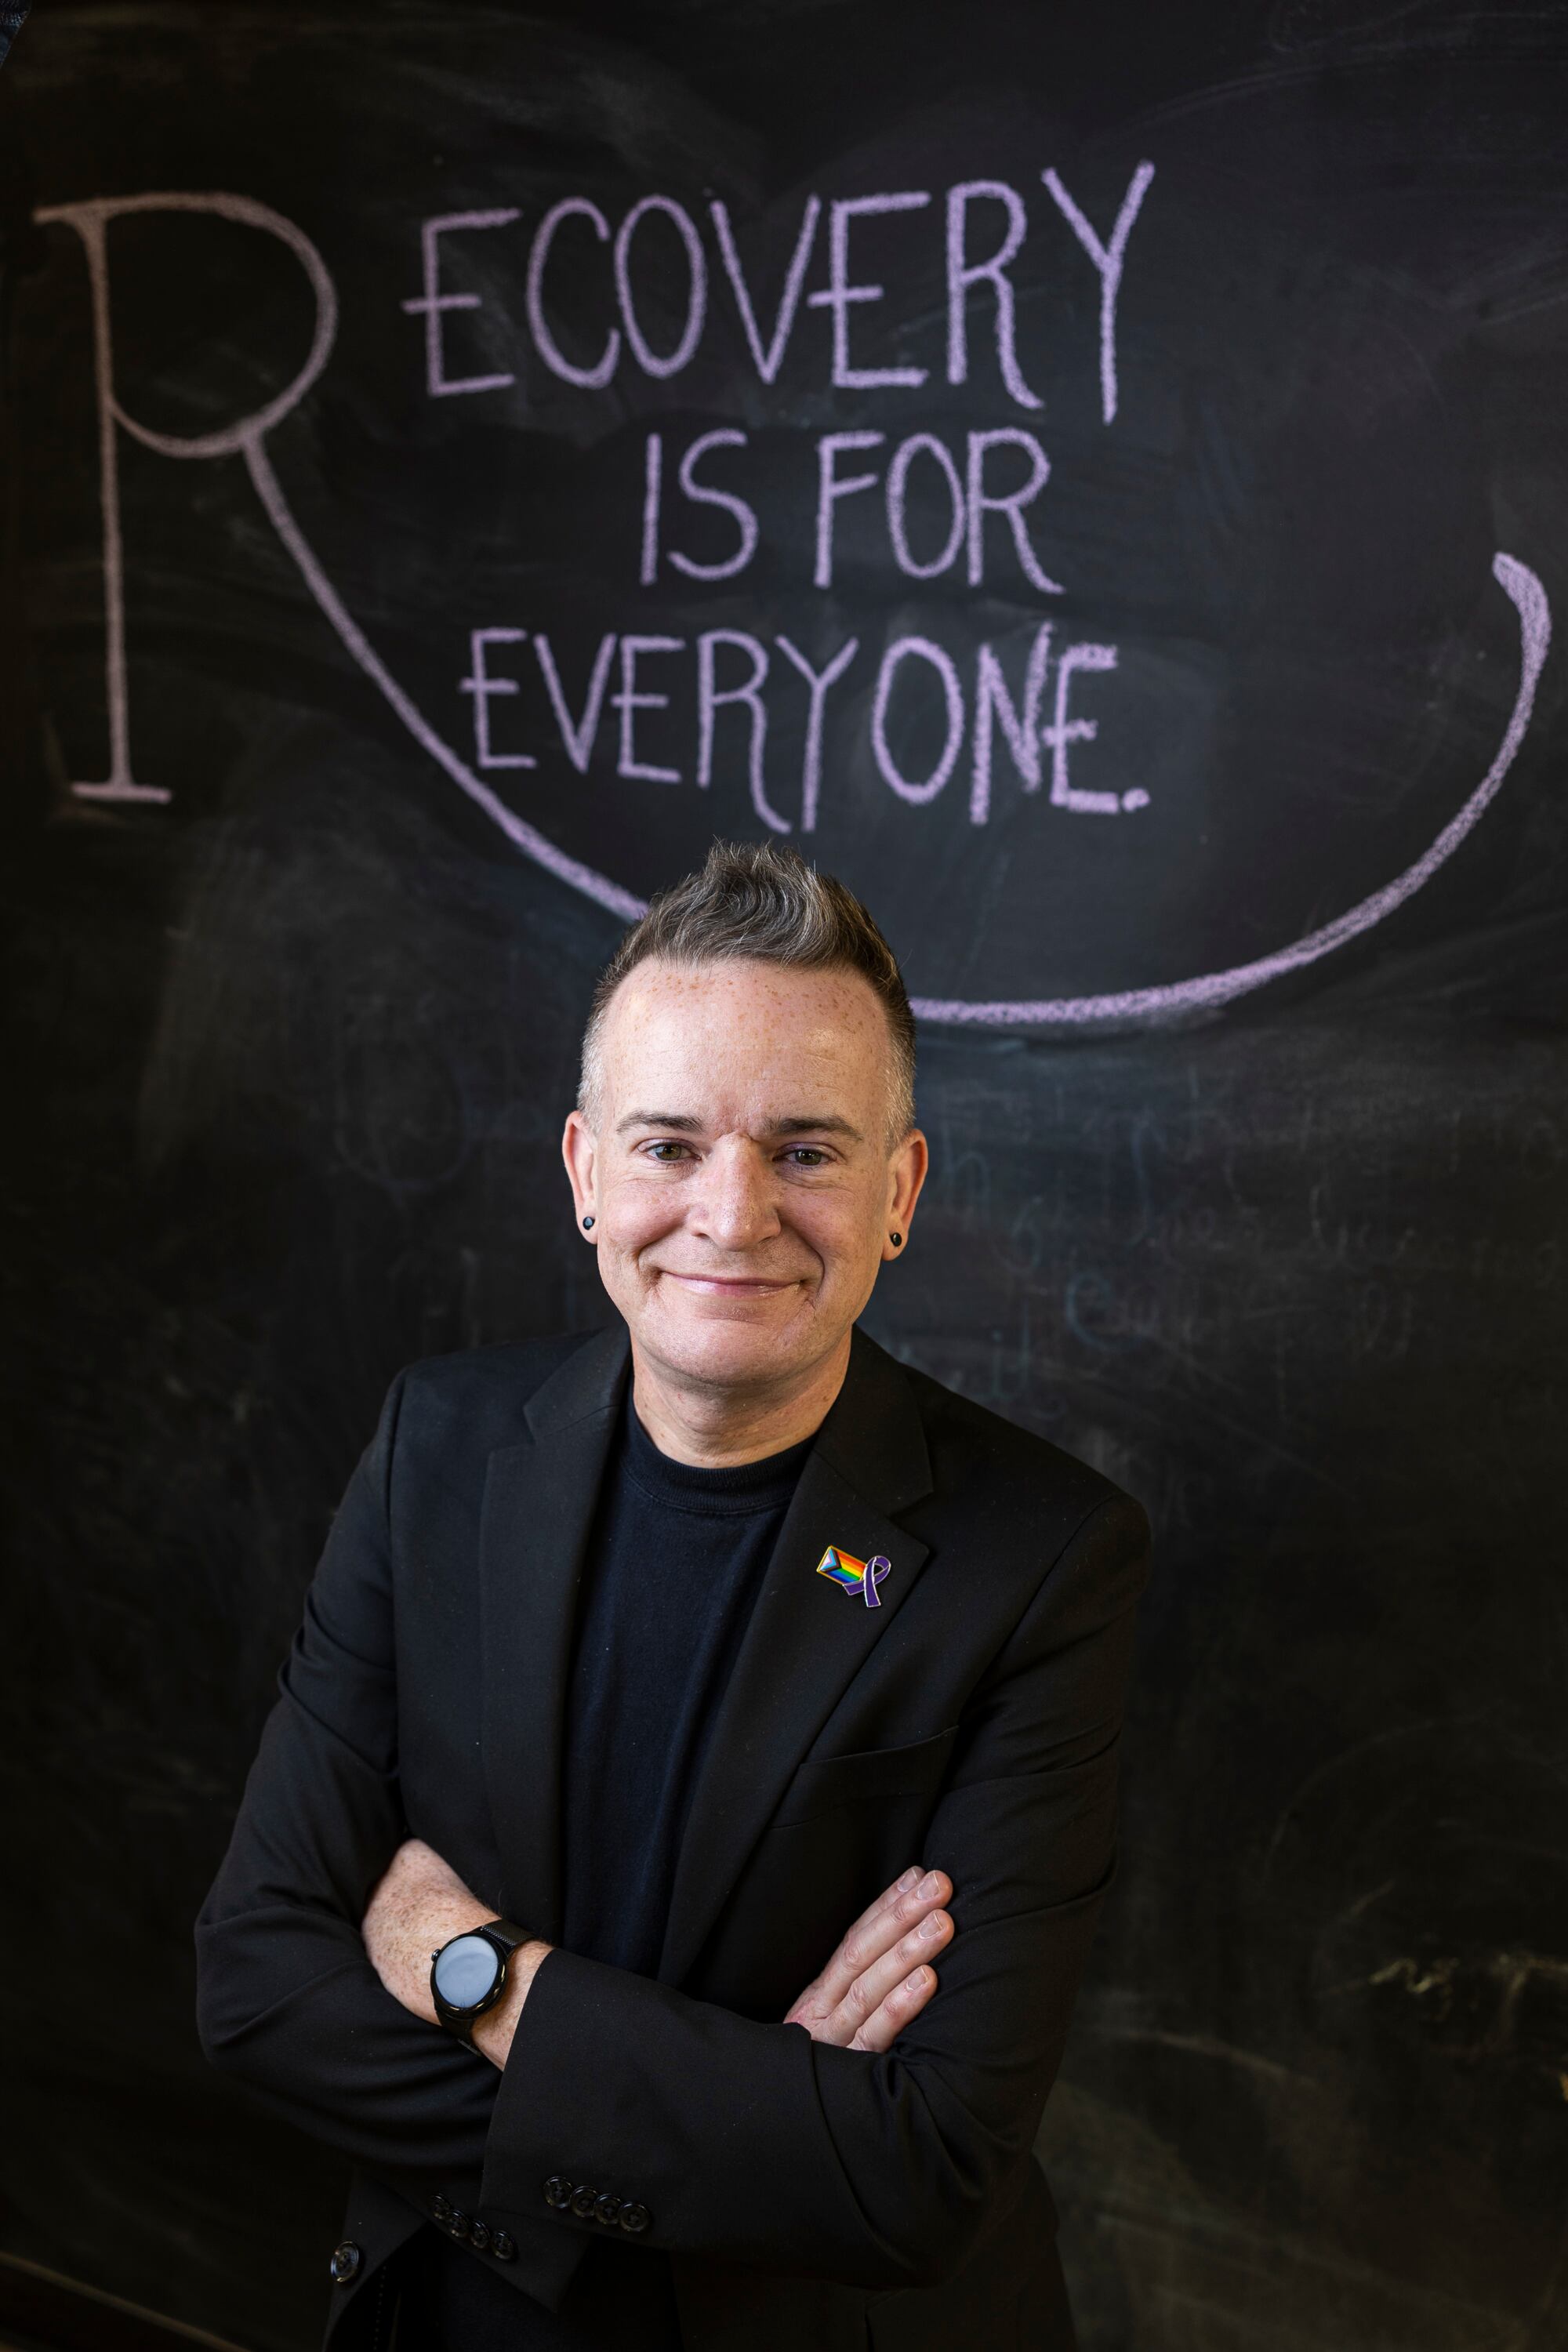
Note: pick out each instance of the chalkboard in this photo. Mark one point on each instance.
(1095, 480)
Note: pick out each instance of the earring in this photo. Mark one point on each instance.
(587, 1224)
(897, 1240)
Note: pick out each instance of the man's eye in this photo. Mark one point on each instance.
(665, 1150)
(808, 1155)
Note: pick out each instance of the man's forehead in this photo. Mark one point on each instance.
(814, 1010)
(747, 1044)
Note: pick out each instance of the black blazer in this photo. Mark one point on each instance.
(808, 2196)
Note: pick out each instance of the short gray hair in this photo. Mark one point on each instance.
(754, 901)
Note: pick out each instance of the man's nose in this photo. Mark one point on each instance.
(736, 1207)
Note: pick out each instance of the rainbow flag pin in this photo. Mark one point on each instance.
(852, 1575)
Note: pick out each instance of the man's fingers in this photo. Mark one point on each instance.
(883, 1976)
(901, 1889)
(893, 2015)
(883, 1948)
(905, 1884)
(900, 1908)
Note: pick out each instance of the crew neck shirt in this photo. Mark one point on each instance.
(675, 1560)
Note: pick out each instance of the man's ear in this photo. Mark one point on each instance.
(580, 1151)
(907, 1170)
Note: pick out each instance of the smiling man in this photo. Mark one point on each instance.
(673, 1854)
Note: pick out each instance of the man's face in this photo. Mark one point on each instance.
(740, 1176)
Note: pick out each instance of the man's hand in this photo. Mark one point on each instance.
(416, 1906)
(878, 1979)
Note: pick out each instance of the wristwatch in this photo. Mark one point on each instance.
(468, 1974)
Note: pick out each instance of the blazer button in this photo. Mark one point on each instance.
(558, 2190)
(440, 2210)
(344, 2264)
(456, 2225)
(479, 2237)
(503, 2246)
(606, 2209)
(583, 2201)
(635, 2218)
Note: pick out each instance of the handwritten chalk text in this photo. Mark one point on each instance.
(983, 226)
(669, 692)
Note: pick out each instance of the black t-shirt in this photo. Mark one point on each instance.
(675, 1560)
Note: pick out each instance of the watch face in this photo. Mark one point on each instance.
(465, 1971)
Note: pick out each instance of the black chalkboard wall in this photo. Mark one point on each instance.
(1166, 655)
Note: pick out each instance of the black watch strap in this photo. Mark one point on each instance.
(507, 1933)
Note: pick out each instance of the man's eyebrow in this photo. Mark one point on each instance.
(682, 1123)
(828, 1124)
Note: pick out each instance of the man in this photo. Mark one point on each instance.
(725, 1674)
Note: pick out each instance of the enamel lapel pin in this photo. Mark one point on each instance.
(855, 1576)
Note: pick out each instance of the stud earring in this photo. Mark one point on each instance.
(897, 1240)
(587, 1224)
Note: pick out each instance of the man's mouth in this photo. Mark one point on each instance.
(730, 1285)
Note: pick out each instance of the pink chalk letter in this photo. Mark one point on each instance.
(433, 303)
(90, 221)
(1108, 259)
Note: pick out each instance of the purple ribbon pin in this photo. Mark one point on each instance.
(852, 1575)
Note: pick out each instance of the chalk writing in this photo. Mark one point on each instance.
(857, 227)
(433, 303)
(483, 687)
(1108, 259)
(90, 221)
(769, 356)
(735, 670)
(656, 672)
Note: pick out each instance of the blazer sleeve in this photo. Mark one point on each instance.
(750, 2142)
(286, 1997)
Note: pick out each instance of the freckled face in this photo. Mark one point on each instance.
(740, 1175)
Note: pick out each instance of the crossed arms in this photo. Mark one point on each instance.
(877, 1982)
(876, 2161)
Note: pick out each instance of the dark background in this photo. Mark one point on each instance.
(287, 1055)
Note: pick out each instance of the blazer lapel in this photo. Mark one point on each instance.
(807, 1639)
(538, 1503)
